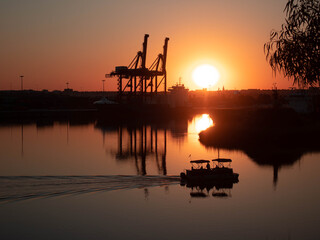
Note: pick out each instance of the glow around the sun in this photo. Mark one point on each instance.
(206, 76)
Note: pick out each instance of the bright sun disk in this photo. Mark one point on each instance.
(203, 122)
(205, 76)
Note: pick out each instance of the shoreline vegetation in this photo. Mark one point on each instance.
(269, 136)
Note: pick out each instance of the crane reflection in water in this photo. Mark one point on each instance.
(142, 142)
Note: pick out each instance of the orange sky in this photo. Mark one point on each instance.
(79, 41)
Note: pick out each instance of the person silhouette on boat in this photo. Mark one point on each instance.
(208, 166)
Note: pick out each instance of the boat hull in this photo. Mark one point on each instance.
(209, 175)
(233, 177)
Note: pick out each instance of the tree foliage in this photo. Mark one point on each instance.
(295, 49)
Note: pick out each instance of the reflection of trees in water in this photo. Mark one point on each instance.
(266, 155)
(276, 157)
(143, 141)
(270, 137)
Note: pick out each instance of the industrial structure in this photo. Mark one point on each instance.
(137, 79)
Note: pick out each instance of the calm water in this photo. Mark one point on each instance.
(98, 180)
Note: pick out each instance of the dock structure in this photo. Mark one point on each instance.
(137, 79)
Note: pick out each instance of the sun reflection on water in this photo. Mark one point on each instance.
(203, 122)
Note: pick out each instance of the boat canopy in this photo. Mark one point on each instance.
(200, 161)
(222, 160)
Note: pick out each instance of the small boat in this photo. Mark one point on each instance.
(202, 171)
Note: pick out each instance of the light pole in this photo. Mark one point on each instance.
(67, 85)
(103, 85)
(21, 79)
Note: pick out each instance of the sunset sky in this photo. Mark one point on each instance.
(79, 41)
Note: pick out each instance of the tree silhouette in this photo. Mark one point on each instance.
(295, 49)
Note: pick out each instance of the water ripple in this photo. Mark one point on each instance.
(18, 188)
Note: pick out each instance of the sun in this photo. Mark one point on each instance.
(203, 122)
(205, 75)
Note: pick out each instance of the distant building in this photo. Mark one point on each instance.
(178, 96)
(68, 90)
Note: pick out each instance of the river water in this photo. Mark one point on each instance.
(107, 180)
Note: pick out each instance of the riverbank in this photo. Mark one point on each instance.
(267, 135)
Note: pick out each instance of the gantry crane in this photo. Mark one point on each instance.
(139, 78)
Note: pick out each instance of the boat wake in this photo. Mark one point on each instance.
(20, 188)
